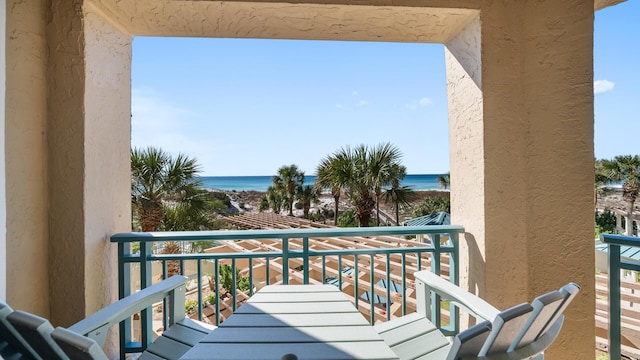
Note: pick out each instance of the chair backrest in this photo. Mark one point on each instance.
(9, 334)
(76, 346)
(37, 332)
(522, 331)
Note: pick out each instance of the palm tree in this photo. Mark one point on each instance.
(601, 180)
(360, 187)
(157, 177)
(287, 181)
(444, 181)
(432, 205)
(399, 196)
(361, 172)
(273, 200)
(384, 163)
(306, 195)
(334, 173)
(625, 168)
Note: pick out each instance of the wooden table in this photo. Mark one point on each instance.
(309, 321)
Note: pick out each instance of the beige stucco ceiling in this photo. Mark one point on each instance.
(386, 21)
(600, 4)
(434, 21)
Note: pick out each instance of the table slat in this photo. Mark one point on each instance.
(294, 335)
(307, 351)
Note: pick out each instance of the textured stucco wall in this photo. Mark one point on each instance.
(559, 106)
(66, 146)
(107, 183)
(26, 156)
(528, 232)
(3, 198)
(462, 59)
(89, 144)
(430, 21)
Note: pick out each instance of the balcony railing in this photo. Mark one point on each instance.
(616, 264)
(373, 265)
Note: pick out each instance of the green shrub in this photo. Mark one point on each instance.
(226, 279)
(244, 284)
(191, 306)
(210, 299)
(606, 222)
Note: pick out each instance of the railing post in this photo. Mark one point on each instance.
(146, 320)
(285, 261)
(614, 302)
(454, 276)
(124, 290)
(435, 268)
(305, 259)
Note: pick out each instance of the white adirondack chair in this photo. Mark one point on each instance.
(521, 332)
(84, 340)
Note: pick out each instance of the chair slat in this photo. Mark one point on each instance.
(469, 342)
(76, 346)
(505, 329)
(37, 332)
(413, 337)
(544, 308)
(13, 339)
(569, 292)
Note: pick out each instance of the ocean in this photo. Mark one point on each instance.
(261, 183)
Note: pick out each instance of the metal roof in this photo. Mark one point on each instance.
(629, 252)
(439, 218)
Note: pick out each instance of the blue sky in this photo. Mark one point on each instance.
(247, 107)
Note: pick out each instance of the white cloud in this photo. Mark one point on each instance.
(600, 86)
(363, 103)
(413, 105)
(425, 101)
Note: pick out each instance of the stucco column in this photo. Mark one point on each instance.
(3, 198)
(89, 146)
(25, 151)
(520, 83)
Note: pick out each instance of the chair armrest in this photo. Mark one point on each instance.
(447, 290)
(95, 326)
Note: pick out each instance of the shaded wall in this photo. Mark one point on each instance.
(3, 199)
(527, 231)
(26, 156)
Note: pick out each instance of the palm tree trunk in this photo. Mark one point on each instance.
(378, 206)
(150, 215)
(629, 223)
(335, 212)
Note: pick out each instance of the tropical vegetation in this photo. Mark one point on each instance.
(334, 173)
(400, 197)
(624, 169)
(433, 204)
(158, 179)
(287, 183)
(361, 172)
(444, 181)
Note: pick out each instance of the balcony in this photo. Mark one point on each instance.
(359, 261)
(373, 266)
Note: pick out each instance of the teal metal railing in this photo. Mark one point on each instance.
(290, 253)
(616, 264)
